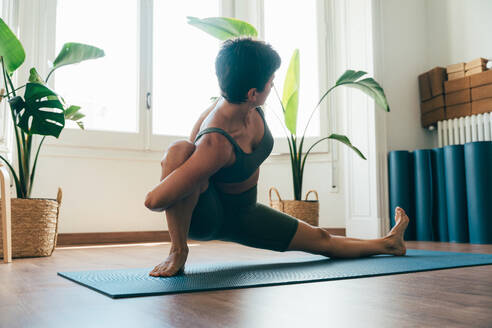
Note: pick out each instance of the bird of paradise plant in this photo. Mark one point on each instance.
(224, 28)
(41, 111)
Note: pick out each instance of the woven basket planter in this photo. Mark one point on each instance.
(34, 226)
(305, 210)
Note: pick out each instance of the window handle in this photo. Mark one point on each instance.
(148, 100)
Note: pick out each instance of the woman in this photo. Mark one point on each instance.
(208, 185)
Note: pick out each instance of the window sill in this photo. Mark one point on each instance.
(103, 153)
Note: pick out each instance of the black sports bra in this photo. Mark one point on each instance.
(246, 163)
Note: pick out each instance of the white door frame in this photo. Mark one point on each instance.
(366, 199)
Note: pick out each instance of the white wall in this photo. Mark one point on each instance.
(459, 31)
(106, 191)
(405, 56)
(418, 36)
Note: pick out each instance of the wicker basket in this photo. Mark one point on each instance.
(305, 210)
(34, 226)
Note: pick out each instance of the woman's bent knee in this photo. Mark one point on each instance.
(177, 154)
(180, 150)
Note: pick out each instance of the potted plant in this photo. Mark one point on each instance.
(305, 209)
(224, 28)
(40, 112)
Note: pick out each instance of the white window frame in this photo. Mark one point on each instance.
(253, 12)
(39, 35)
(95, 139)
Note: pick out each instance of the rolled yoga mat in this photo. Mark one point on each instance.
(423, 194)
(440, 211)
(267, 272)
(478, 170)
(454, 166)
(400, 178)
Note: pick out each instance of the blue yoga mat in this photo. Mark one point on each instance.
(448, 193)
(267, 272)
(401, 184)
(423, 194)
(454, 166)
(440, 215)
(478, 163)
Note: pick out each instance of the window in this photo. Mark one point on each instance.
(105, 88)
(184, 66)
(151, 50)
(282, 30)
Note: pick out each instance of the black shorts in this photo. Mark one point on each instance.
(240, 218)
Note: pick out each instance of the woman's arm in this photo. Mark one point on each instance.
(213, 151)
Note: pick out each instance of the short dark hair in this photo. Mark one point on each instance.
(243, 63)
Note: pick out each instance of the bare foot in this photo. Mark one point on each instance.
(395, 242)
(173, 265)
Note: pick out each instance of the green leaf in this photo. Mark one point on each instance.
(343, 139)
(77, 116)
(72, 114)
(72, 53)
(70, 111)
(368, 85)
(11, 49)
(290, 96)
(223, 28)
(80, 124)
(338, 137)
(350, 76)
(41, 112)
(34, 76)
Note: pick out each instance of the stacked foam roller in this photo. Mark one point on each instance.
(445, 191)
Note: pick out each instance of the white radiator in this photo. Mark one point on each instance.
(457, 131)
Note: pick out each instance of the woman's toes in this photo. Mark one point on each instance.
(167, 271)
(401, 222)
(157, 270)
(397, 214)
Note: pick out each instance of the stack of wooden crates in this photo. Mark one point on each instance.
(431, 87)
(467, 90)
(461, 70)
(481, 92)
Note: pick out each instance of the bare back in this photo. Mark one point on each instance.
(247, 134)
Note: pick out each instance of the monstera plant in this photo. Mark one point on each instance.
(41, 111)
(223, 28)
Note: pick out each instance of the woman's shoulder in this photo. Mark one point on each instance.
(217, 119)
(206, 119)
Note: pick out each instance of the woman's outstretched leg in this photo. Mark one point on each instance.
(178, 215)
(318, 241)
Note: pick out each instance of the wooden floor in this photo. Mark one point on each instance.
(32, 295)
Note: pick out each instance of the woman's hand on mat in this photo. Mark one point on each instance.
(174, 263)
